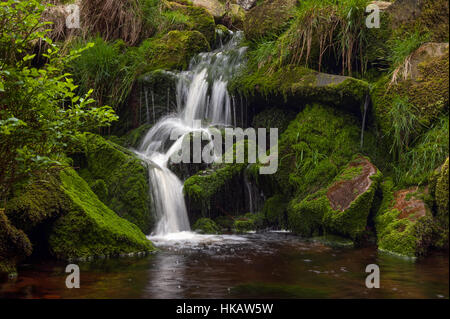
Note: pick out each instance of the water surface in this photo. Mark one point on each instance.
(267, 265)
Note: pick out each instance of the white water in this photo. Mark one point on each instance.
(201, 95)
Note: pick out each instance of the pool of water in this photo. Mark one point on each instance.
(267, 265)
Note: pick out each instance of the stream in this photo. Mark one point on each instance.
(258, 265)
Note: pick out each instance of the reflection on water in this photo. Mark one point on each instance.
(269, 265)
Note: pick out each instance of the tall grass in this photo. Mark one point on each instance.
(429, 152)
(106, 68)
(328, 29)
(401, 51)
(403, 125)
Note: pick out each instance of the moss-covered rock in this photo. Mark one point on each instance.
(426, 88)
(442, 196)
(275, 211)
(351, 197)
(216, 191)
(206, 226)
(314, 148)
(172, 51)
(248, 222)
(127, 193)
(268, 18)
(89, 227)
(14, 245)
(134, 137)
(297, 86)
(197, 18)
(40, 201)
(342, 208)
(404, 223)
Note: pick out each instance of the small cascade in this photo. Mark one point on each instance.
(202, 102)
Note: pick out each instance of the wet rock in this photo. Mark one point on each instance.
(343, 207)
(404, 222)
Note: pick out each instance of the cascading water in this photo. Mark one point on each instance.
(201, 94)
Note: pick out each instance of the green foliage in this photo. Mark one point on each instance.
(401, 47)
(206, 226)
(90, 228)
(41, 113)
(105, 67)
(403, 124)
(429, 151)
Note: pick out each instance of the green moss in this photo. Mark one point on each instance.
(300, 85)
(202, 188)
(401, 236)
(206, 226)
(14, 245)
(315, 146)
(305, 216)
(442, 196)
(273, 118)
(275, 211)
(90, 228)
(268, 19)
(171, 51)
(134, 137)
(40, 201)
(197, 19)
(314, 215)
(352, 221)
(125, 177)
(428, 93)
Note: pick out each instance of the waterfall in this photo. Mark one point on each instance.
(201, 94)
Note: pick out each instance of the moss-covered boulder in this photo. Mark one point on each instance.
(195, 17)
(172, 51)
(317, 144)
(342, 208)
(39, 202)
(441, 197)
(217, 191)
(89, 227)
(275, 211)
(268, 18)
(296, 86)
(426, 87)
(118, 177)
(404, 222)
(248, 222)
(430, 16)
(14, 245)
(350, 198)
(206, 226)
